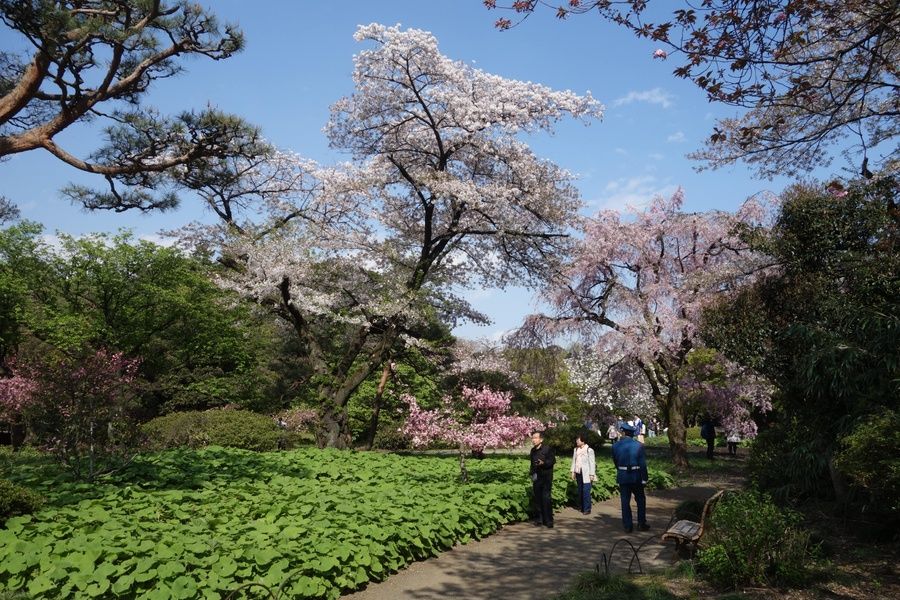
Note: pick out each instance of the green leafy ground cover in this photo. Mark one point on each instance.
(200, 523)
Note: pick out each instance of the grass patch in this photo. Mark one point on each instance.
(594, 586)
(659, 460)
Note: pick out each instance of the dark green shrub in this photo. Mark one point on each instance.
(562, 438)
(870, 457)
(751, 541)
(786, 461)
(389, 437)
(16, 500)
(230, 428)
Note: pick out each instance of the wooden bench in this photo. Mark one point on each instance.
(686, 532)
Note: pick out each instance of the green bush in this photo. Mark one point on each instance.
(389, 437)
(753, 542)
(786, 461)
(16, 500)
(870, 457)
(562, 438)
(218, 427)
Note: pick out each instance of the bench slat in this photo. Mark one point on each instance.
(691, 531)
(683, 529)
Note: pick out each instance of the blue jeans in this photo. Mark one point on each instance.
(584, 492)
(625, 491)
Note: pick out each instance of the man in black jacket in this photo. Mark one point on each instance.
(542, 461)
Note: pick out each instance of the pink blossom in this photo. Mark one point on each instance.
(731, 395)
(480, 421)
(660, 53)
(16, 393)
(634, 290)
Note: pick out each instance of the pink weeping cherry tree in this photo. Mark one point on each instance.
(635, 287)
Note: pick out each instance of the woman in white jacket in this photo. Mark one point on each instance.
(584, 472)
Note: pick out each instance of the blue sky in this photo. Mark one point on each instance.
(298, 61)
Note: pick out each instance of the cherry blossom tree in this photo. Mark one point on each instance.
(635, 287)
(811, 73)
(481, 355)
(479, 420)
(442, 194)
(611, 384)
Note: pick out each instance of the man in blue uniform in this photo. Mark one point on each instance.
(631, 475)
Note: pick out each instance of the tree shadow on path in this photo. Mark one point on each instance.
(524, 561)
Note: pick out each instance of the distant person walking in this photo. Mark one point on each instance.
(639, 429)
(733, 439)
(584, 472)
(613, 433)
(542, 461)
(631, 475)
(708, 433)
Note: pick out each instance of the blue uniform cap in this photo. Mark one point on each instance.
(626, 428)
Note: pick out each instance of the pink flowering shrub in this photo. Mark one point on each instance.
(479, 420)
(81, 409)
(15, 394)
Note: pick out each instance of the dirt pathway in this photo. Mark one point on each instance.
(526, 562)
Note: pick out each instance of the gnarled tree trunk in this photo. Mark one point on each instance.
(334, 425)
(672, 406)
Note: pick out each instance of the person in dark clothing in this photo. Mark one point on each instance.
(542, 461)
(631, 475)
(708, 433)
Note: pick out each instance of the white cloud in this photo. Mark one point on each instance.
(676, 137)
(620, 194)
(621, 151)
(159, 240)
(656, 156)
(655, 96)
(52, 240)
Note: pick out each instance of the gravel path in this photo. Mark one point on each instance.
(525, 562)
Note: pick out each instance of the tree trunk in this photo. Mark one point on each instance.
(334, 429)
(677, 431)
(17, 434)
(376, 409)
(334, 424)
(463, 473)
